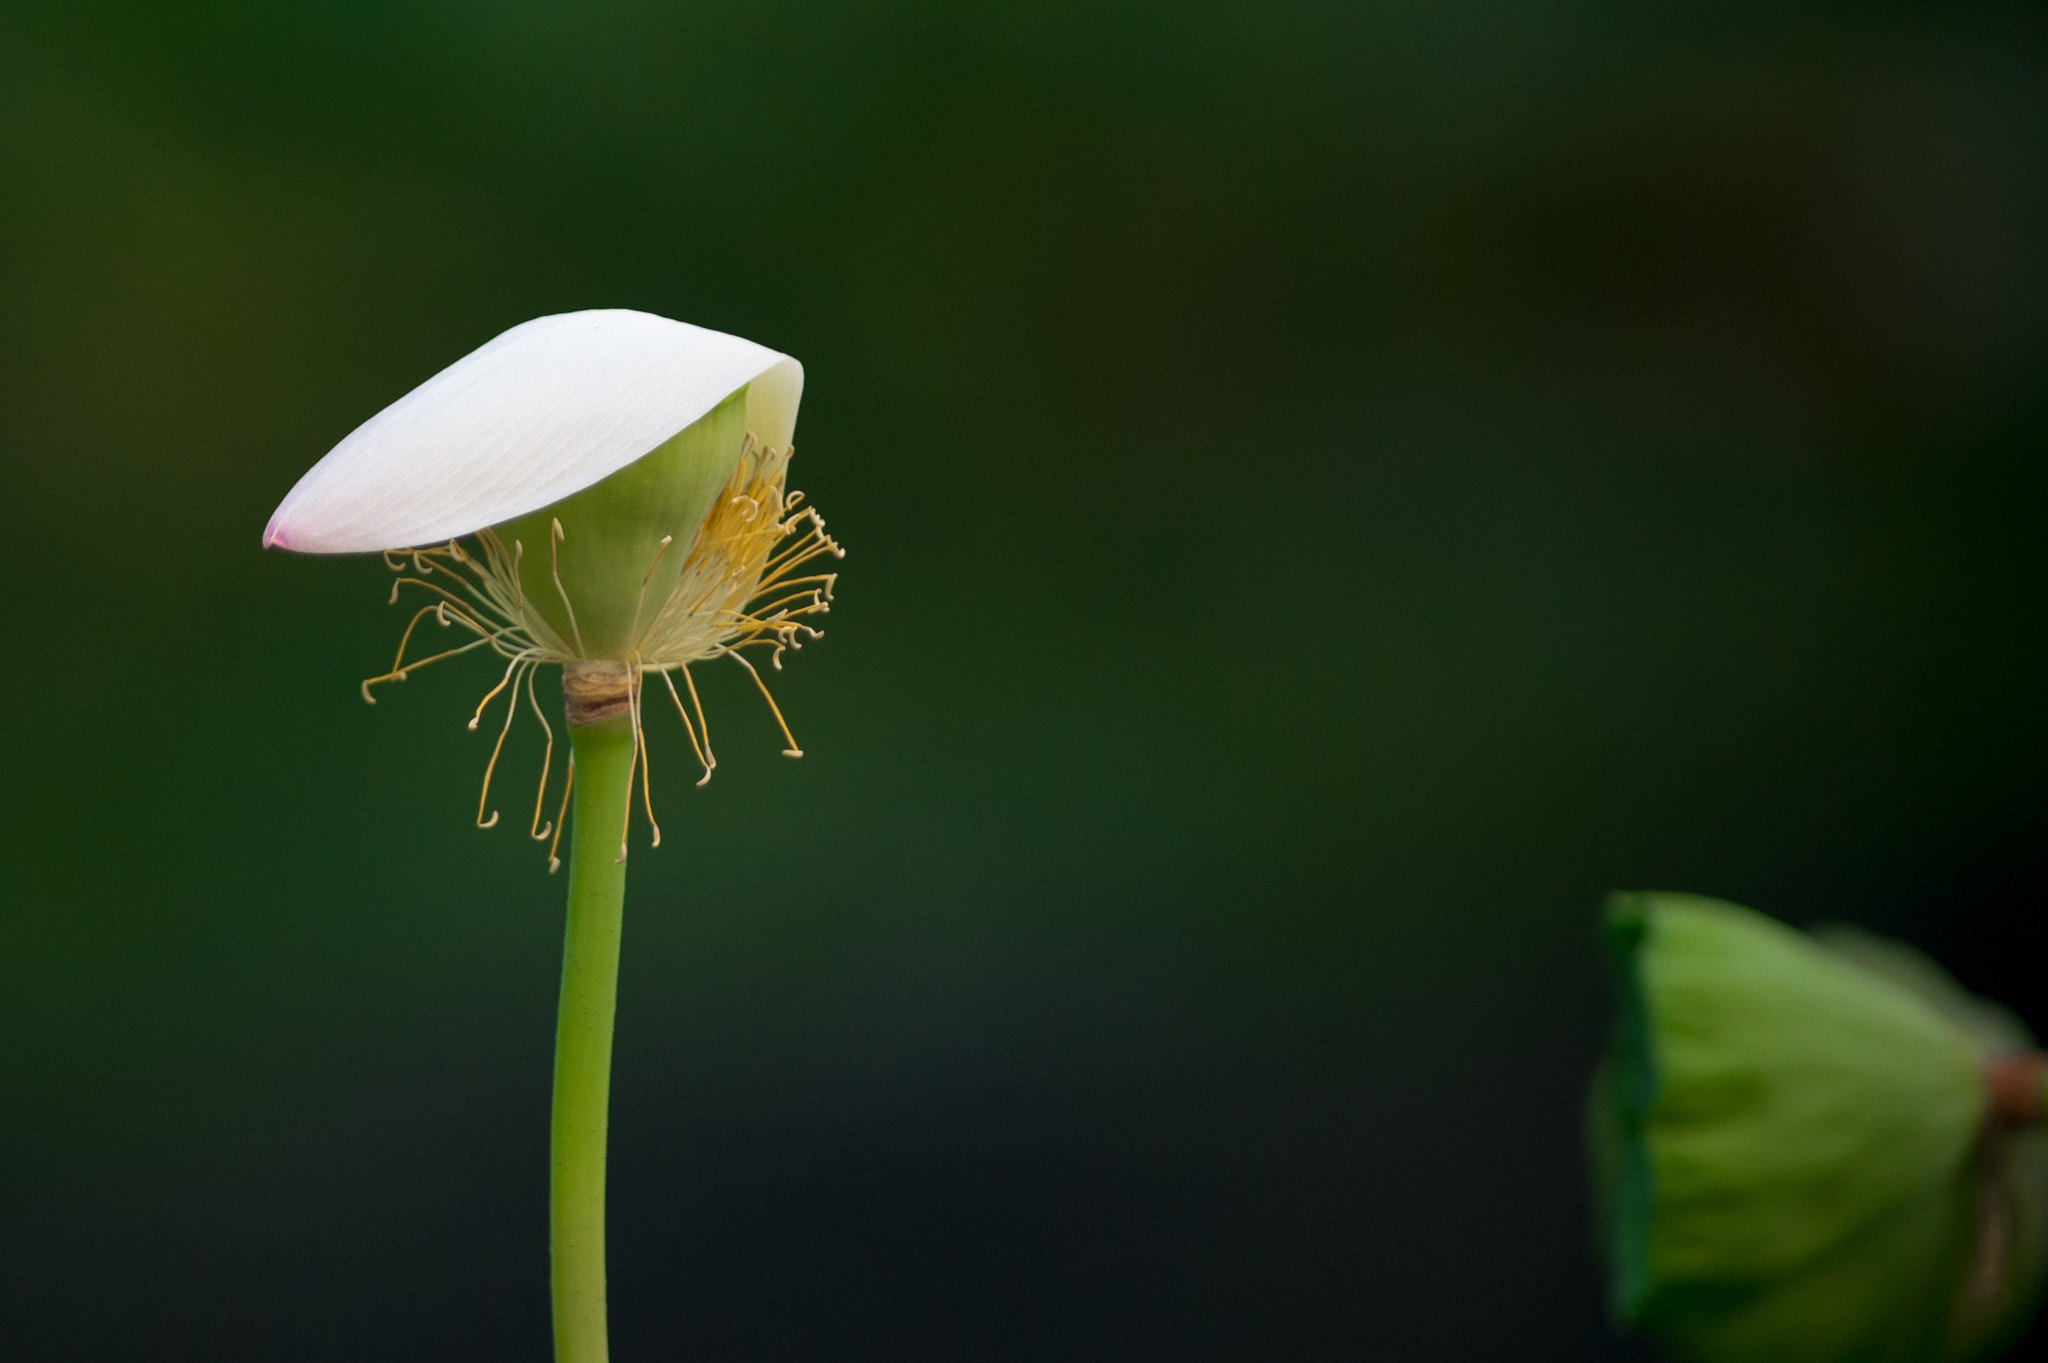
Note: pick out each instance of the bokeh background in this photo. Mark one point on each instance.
(1332, 488)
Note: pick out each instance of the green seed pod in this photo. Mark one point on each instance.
(1811, 1148)
(624, 540)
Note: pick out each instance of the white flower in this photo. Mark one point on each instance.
(541, 412)
(622, 477)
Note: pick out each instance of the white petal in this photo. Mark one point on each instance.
(543, 411)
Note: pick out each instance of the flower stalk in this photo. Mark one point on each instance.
(621, 481)
(602, 756)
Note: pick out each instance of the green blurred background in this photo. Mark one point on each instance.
(1331, 489)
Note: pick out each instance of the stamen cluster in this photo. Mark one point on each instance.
(740, 588)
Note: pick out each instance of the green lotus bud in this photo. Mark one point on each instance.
(1811, 1148)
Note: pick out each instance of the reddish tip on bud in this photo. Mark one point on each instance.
(2016, 1088)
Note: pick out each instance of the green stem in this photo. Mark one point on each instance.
(583, 1038)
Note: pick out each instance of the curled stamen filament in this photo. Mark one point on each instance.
(562, 817)
(688, 727)
(704, 727)
(792, 750)
(639, 759)
(399, 673)
(511, 709)
(641, 600)
(646, 759)
(492, 695)
(555, 537)
(547, 757)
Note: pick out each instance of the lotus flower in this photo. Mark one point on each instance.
(622, 477)
(621, 480)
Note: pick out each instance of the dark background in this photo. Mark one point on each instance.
(1332, 488)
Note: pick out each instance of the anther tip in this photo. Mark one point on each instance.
(491, 822)
(472, 726)
(554, 865)
(792, 752)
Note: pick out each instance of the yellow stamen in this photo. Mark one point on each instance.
(492, 694)
(511, 709)
(547, 757)
(704, 725)
(399, 673)
(742, 585)
(688, 727)
(562, 816)
(792, 750)
(640, 757)
(555, 537)
(641, 600)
